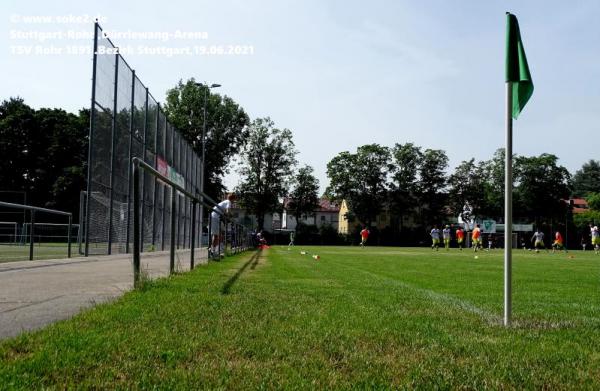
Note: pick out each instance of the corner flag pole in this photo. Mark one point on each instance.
(508, 179)
(519, 87)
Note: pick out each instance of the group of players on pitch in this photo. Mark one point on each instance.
(435, 236)
(459, 234)
(537, 239)
(224, 207)
(476, 239)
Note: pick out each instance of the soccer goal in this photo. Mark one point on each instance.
(44, 239)
(9, 232)
(47, 233)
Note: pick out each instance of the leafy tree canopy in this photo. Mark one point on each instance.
(304, 198)
(587, 179)
(466, 185)
(268, 161)
(226, 128)
(541, 185)
(361, 179)
(45, 152)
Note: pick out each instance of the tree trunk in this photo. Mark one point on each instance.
(401, 222)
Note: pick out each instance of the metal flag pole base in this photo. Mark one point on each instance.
(508, 209)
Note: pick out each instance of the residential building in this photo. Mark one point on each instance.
(579, 205)
(326, 214)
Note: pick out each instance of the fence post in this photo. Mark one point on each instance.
(91, 142)
(164, 190)
(173, 220)
(81, 225)
(69, 237)
(136, 223)
(172, 164)
(178, 221)
(209, 246)
(132, 105)
(220, 233)
(185, 172)
(223, 237)
(31, 235)
(193, 233)
(233, 238)
(113, 142)
(144, 177)
(155, 196)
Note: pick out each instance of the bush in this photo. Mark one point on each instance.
(329, 235)
(581, 220)
(307, 234)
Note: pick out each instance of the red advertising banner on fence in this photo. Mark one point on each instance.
(162, 167)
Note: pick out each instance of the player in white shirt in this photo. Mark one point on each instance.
(539, 240)
(595, 238)
(446, 236)
(435, 238)
(215, 221)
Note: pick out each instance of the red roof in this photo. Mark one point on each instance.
(580, 205)
(324, 205)
(328, 206)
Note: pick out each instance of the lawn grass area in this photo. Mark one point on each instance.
(15, 252)
(365, 318)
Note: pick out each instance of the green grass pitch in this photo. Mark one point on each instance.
(14, 252)
(356, 318)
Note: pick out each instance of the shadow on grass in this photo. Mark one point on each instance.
(256, 259)
(252, 262)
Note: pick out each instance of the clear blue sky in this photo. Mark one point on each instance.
(344, 73)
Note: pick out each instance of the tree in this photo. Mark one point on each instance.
(343, 184)
(268, 160)
(226, 128)
(587, 179)
(404, 185)
(592, 215)
(432, 184)
(593, 201)
(63, 170)
(541, 185)
(492, 172)
(17, 124)
(46, 151)
(304, 198)
(465, 186)
(361, 179)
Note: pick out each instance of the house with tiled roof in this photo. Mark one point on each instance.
(326, 214)
(580, 205)
(242, 216)
(347, 224)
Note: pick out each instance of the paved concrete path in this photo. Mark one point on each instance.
(34, 294)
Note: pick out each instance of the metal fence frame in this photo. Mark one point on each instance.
(238, 232)
(126, 122)
(33, 210)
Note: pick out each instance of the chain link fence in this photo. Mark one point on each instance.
(127, 122)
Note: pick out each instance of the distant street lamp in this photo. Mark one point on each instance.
(207, 89)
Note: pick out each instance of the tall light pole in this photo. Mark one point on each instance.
(207, 89)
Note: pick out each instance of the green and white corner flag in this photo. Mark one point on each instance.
(517, 70)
